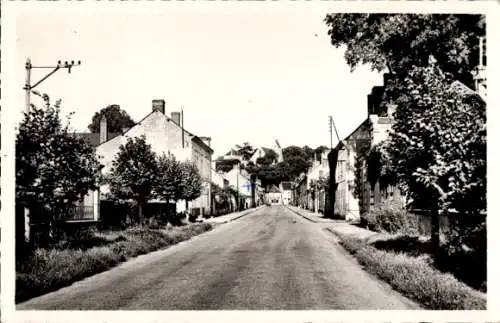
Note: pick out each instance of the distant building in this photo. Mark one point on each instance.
(274, 195)
(166, 135)
(260, 152)
(286, 189)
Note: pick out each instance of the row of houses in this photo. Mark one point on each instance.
(338, 165)
(166, 135)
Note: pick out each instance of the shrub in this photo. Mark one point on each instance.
(391, 216)
(414, 277)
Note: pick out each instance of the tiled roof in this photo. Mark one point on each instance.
(94, 138)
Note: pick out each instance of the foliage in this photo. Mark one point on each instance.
(391, 216)
(54, 168)
(50, 269)
(225, 165)
(191, 181)
(416, 278)
(439, 145)
(169, 184)
(399, 42)
(116, 119)
(269, 158)
(246, 150)
(134, 172)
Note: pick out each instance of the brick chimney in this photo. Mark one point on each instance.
(159, 105)
(176, 117)
(103, 130)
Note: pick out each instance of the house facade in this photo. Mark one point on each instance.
(166, 135)
(274, 196)
(318, 170)
(286, 189)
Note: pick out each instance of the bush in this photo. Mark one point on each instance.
(391, 216)
(414, 277)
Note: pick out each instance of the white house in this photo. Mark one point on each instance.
(165, 135)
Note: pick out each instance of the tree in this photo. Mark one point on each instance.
(425, 54)
(134, 173)
(439, 151)
(192, 182)
(116, 119)
(246, 150)
(270, 157)
(397, 42)
(54, 168)
(169, 184)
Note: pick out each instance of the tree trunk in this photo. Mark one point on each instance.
(187, 211)
(141, 212)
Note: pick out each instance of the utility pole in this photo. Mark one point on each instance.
(28, 88)
(332, 126)
(238, 188)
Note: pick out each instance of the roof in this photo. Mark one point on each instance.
(94, 138)
(113, 135)
(464, 91)
(274, 189)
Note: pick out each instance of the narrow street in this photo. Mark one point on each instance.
(270, 259)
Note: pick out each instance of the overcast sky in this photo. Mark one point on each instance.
(239, 77)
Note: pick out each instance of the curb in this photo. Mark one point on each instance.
(305, 217)
(242, 215)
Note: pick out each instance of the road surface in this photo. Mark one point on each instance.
(271, 259)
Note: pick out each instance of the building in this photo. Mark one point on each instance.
(319, 171)
(260, 152)
(350, 155)
(286, 189)
(300, 192)
(166, 135)
(240, 180)
(274, 195)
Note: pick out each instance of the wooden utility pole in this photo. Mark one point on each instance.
(28, 88)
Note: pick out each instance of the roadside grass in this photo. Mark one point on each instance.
(414, 276)
(50, 269)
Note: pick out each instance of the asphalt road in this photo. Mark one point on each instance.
(268, 260)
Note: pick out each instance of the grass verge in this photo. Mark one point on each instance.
(415, 277)
(50, 269)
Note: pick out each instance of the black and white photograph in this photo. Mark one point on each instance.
(191, 157)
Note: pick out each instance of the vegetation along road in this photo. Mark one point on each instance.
(270, 259)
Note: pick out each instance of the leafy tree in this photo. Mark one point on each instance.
(437, 145)
(169, 185)
(246, 150)
(439, 150)
(134, 173)
(53, 167)
(192, 182)
(270, 157)
(116, 119)
(397, 42)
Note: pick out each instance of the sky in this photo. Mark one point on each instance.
(256, 76)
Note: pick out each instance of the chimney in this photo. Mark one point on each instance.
(176, 117)
(159, 105)
(103, 131)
